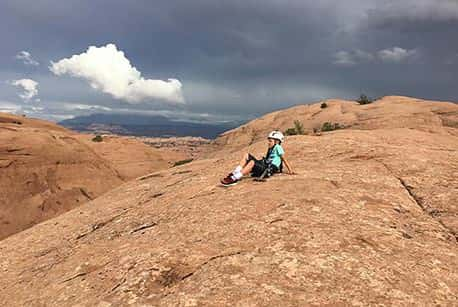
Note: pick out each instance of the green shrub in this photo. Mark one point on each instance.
(363, 99)
(181, 162)
(97, 138)
(290, 131)
(327, 126)
(323, 105)
(297, 129)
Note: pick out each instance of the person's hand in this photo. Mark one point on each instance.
(292, 173)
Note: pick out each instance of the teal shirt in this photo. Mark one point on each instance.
(275, 155)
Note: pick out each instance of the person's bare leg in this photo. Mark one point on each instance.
(243, 168)
(244, 160)
(248, 167)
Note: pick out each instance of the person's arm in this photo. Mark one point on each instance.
(290, 169)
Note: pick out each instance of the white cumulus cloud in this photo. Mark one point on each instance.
(363, 55)
(26, 58)
(396, 54)
(29, 88)
(107, 69)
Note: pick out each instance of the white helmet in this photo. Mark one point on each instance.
(276, 135)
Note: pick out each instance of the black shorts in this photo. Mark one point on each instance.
(259, 166)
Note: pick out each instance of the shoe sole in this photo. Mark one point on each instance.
(229, 184)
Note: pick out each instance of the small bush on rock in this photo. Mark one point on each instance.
(297, 129)
(97, 138)
(327, 126)
(363, 99)
(290, 131)
(323, 105)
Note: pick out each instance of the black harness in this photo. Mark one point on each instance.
(270, 167)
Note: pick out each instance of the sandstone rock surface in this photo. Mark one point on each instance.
(370, 219)
(45, 171)
(388, 112)
(130, 157)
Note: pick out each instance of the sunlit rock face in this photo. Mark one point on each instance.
(369, 218)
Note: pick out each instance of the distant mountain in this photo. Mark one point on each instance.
(143, 125)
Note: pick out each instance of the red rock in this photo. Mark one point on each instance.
(368, 220)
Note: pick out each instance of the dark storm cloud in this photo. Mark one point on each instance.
(239, 58)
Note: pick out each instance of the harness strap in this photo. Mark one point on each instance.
(269, 163)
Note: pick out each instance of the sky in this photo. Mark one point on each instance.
(219, 61)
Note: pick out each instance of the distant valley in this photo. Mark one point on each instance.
(144, 125)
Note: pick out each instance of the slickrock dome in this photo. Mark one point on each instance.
(46, 170)
(131, 158)
(370, 218)
(388, 112)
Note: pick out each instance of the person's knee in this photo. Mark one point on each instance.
(248, 167)
(250, 157)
